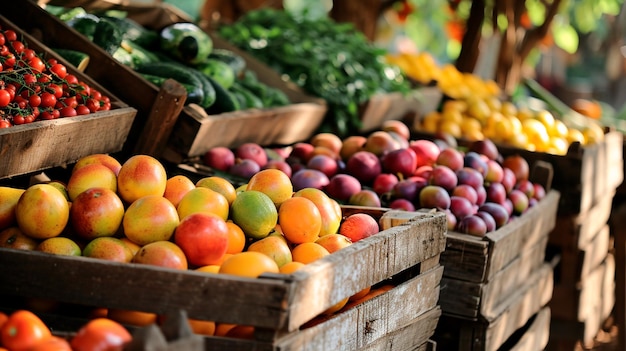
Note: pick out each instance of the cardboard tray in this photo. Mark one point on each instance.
(273, 301)
(36, 146)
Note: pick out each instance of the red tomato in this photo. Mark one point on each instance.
(71, 79)
(23, 330)
(2, 39)
(29, 79)
(59, 69)
(37, 64)
(5, 98)
(9, 60)
(3, 316)
(68, 111)
(82, 110)
(18, 46)
(28, 54)
(56, 89)
(10, 34)
(34, 100)
(96, 94)
(4, 123)
(100, 334)
(48, 99)
(18, 119)
(52, 61)
(93, 105)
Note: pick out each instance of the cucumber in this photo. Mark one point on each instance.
(195, 92)
(225, 101)
(250, 100)
(138, 53)
(186, 41)
(77, 58)
(84, 24)
(236, 62)
(207, 88)
(107, 36)
(219, 71)
(124, 57)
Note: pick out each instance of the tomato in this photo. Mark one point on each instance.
(23, 330)
(9, 60)
(2, 39)
(44, 78)
(56, 89)
(82, 110)
(10, 34)
(37, 64)
(29, 79)
(18, 46)
(96, 94)
(71, 79)
(100, 334)
(52, 61)
(5, 98)
(48, 99)
(70, 101)
(34, 100)
(93, 105)
(59, 69)
(18, 119)
(28, 54)
(4, 123)
(29, 118)
(68, 111)
(21, 102)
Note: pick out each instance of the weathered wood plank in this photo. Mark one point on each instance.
(576, 265)
(537, 335)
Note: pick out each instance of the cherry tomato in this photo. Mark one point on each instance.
(82, 110)
(71, 79)
(37, 64)
(48, 99)
(36, 112)
(100, 334)
(18, 119)
(34, 100)
(18, 46)
(56, 89)
(93, 105)
(68, 111)
(44, 78)
(4, 123)
(5, 98)
(9, 60)
(96, 94)
(21, 102)
(2, 39)
(52, 61)
(70, 101)
(59, 69)
(10, 34)
(4, 50)
(23, 330)
(29, 79)
(28, 54)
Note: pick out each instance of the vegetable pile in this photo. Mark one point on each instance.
(328, 59)
(34, 88)
(215, 79)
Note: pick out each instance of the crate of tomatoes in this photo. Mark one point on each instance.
(51, 114)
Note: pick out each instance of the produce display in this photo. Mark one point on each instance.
(34, 87)
(215, 79)
(329, 60)
(474, 110)
(133, 213)
(479, 190)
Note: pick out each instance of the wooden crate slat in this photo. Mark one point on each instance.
(576, 265)
(537, 335)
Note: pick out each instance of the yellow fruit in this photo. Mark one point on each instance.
(575, 135)
(8, 200)
(559, 129)
(537, 133)
(593, 134)
(450, 128)
(508, 108)
(42, 211)
(429, 122)
(248, 264)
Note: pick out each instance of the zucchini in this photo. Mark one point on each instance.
(225, 101)
(79, 59)
(124, 57)
(138, 53)
(186, 42)
(219, 71)
(195, 92)
(236, 62)
(207, 88)
(84, 24)
(107, 36)
(250, 100)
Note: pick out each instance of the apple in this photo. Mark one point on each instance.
(427, 151)
(401, 161)
(252, 151)
(384, 183)
(220, 158)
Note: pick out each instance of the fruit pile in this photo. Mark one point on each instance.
(479, 190)
(22, 330)
(33, 88)
(474, 110)
(134, 213)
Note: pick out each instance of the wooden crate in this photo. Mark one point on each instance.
(575, 231)
(382, 107)
(157, 110)
(276, 302)
(461, 334)
(536, 334)
(590, 301)
(478, 260)
(577, 264)
(36, 146)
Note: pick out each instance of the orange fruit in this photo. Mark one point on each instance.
(275, 247)
(202, 327)
(328, 140)
(108, 248)
(329, 208)
(273, 183)
(163, 254)
(203, 199)
(42, 212)
(14, 238)
(149, 219)
(221, 185)
(291, 267)
(300, 220)
(248, 264)
(141, 175)
(360, 294)
(104, 159)
(255, 213)
(94, 175)
(8, 200)
(212, 268)
(176, 187)
(59, 246)
(308, 252)
(236, 238)
(336, 307)
(132, 317)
